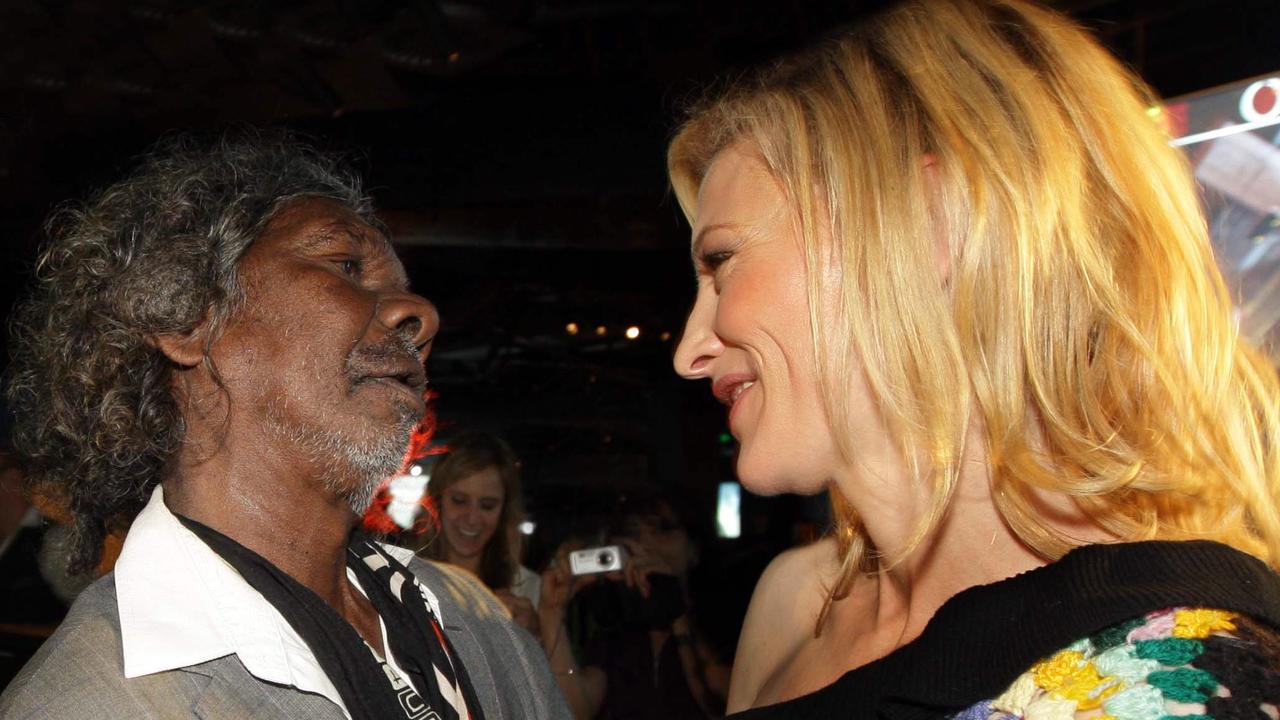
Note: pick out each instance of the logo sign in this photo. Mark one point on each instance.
(1260, 101)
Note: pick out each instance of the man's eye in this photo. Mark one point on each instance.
(352, 267)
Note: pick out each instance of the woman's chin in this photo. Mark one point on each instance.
(466, 550)
(766, 479)
(759, 480)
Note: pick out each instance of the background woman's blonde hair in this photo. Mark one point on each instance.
(1082, 316)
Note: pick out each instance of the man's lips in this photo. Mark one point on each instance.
(411, 375)
(729, 388)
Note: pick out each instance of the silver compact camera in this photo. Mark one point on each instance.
(590, 561)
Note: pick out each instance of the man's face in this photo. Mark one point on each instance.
(324, 361)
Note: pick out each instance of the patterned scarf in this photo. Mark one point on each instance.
(437, 686)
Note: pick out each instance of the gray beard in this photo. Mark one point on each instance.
(353, 468)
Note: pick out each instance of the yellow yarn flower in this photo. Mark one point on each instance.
(1087, 687)
(1052, 673)
(1201, 622)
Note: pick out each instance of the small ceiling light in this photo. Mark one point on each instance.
(415, 470)
(665, 336)
(527, 527)
(633, 332)
(571, 328)
(601, 330)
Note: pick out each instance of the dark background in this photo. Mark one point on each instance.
(517, 151)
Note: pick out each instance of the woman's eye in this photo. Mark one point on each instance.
(489, 506)
(712, 260)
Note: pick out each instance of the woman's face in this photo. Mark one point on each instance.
(749, 328)
(470, 510)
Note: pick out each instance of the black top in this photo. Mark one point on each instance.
(640, 686)
(982, 639)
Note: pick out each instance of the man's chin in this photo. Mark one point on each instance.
(361, 489)
(361, 501)
(370, 464)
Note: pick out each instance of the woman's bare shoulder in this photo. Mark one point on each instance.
(807, 567)
(781, 618)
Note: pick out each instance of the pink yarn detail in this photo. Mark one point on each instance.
(1160, 626)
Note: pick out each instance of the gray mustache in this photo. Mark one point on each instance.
(393, 349)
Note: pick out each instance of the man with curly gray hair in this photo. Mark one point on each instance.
(221, 353)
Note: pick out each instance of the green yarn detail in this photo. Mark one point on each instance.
(1141, 702)
(1121, 662)
(1188, 685)
(1187, 717)
(1171, 652)
(1115, 635)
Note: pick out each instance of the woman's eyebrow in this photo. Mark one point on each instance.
(695, 249)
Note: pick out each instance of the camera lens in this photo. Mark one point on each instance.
(605, 559)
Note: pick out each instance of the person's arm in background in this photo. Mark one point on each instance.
(522, 611)
(704, 674)
(583, 687)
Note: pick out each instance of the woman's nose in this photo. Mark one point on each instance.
(699, 344)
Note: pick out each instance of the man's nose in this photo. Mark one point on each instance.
(412, 316)
(699, 344)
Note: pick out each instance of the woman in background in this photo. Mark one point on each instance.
(951, 271)
(476, 489)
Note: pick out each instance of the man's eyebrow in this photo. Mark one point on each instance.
(338, 230)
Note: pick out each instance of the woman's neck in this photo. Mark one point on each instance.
(470, 563)
(971, 544)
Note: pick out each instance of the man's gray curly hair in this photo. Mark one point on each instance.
(95, 417)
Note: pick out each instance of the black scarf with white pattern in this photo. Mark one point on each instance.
(438, 687)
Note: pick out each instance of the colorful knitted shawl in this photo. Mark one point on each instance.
(1174, 664)
(1012, 649)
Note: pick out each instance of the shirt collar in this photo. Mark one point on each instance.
(181, 604)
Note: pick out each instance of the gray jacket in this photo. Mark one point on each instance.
(79, 671)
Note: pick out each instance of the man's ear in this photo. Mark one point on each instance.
(184, 349)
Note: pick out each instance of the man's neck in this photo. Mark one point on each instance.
(281, 516)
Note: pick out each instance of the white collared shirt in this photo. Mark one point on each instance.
(181, 604)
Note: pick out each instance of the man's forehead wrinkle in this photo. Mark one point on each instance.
(338, 229)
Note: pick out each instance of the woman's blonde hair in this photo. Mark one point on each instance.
(1081, 315)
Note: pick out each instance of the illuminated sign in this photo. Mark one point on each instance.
(1237, 108)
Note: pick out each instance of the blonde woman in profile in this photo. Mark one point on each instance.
(950, 271)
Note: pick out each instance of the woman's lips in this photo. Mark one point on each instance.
(728, 388)
(731, 388)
